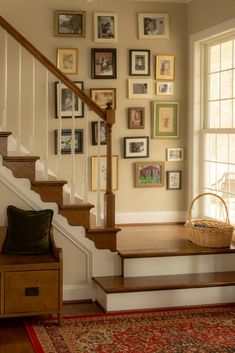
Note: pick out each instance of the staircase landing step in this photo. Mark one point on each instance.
(177, 247)
(119, 284)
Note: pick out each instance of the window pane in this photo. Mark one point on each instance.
(210, 147)
(214, 58)
(226, 114)
(222, 148)
(226, 84)
(227, 55)
(233, 83)
(214, 89)
(232, 148)
(214, 116)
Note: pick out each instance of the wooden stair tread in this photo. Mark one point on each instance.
(5, 133)
(79, 206)
(119, 284)
(176, 247)
(21, 158)
(49, 182)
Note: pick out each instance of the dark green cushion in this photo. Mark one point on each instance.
(28, 232)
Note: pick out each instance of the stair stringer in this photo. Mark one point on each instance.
(98, 262)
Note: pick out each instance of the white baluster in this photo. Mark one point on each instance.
(98, 205)
(85, 142)
(32, 135)
(4, 109)
(58, 162)
(72, 192)
(18, 134)
(45, 172)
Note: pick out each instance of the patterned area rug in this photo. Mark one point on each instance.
(200, 330)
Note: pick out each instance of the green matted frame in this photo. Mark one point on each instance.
(165, 122)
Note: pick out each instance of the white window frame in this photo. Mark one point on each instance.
(196, 104)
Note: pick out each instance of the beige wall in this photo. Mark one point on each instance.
(203, 14)
(34, 19)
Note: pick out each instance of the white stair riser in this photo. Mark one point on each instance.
(170, 265)
(165, 298)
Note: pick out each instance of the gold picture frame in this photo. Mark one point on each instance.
(67, 60)
(165, 67)
(149, 174)
(153, 25)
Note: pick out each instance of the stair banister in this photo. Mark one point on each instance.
(108, 115)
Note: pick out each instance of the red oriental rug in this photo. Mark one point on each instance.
(200, 330)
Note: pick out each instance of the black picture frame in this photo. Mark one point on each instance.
(139, 62)
(173, 180)
(64, 95)
(66, 141)
(94, 133)
(136, 147)
(103, 63)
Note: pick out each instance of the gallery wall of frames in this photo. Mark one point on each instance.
(142, 85)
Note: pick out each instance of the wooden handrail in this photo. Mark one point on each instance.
(52, 68)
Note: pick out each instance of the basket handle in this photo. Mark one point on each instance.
(204, 194)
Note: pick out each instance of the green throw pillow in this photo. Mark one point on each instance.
(28, 232)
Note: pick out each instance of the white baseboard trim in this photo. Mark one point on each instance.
(79, 292)
(150, 217)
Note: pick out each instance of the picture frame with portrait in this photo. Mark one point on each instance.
(103, 63)
(165, 67)
(105, 27)
(69, 23)
(165, 120)
(67, 60)
(94, 132)
(153, 25)
(64, 101)
(136, 117)
(139, 62)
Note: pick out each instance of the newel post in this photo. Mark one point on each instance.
(109, 197)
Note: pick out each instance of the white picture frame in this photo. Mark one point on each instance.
(139, 88)
(105, 27)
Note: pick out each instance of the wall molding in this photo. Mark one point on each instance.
(150, 217)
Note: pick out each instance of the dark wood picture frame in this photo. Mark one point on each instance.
(103, 63)
(94, 133)
(136, 117)
(136, 147)
(173, 179)
(64, 95)
(66, 141)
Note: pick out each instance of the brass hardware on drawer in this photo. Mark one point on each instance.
(31, 291)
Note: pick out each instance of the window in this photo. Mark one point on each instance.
(218, 126)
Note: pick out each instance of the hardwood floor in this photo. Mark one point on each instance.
(14, 338)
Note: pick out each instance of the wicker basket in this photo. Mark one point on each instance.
(207, 232)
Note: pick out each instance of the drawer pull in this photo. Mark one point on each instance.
(31, 291)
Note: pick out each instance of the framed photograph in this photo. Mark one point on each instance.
(69, 23)
(165, 67)
(136, 147)
(64, 101)
(164, 88)
(94, 132)
(103, 63)
(67, 60)
(139, 61)
(153, 25)
(149, 174)
(165, 120)
(66, 141)
(102, 96)
(175, 154)
(103, 172)
(139, 88)
(136, 117)
(105, 27)
(173, 180)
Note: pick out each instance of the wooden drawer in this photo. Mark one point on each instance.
(31, 291)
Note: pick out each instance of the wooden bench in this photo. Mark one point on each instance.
(31, 285)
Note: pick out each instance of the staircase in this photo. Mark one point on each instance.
(77, 212)
(177, 275)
